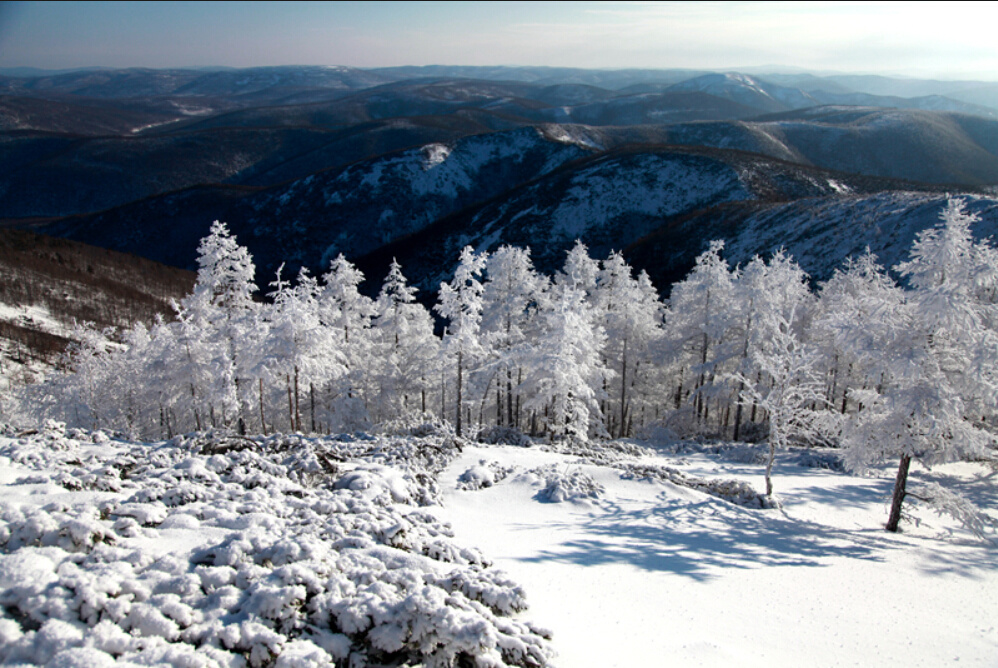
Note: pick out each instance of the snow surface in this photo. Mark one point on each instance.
(655, 574)
(215, 550)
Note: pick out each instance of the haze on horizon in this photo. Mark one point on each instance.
(948, 41)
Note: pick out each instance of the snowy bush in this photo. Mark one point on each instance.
(559, 485)
(599, 453)
(496, 435)
(733, 491)
(193, 557)
(484, 474)
(816, 459)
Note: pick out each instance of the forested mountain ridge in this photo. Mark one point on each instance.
(306, 163)
(50, 285)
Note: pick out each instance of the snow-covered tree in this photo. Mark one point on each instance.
(510, 299)
(461, 304)
(921, 350)
(953, 284)
(789, 388)
(300, 350)
(406, 347)
(631, 316)
(700, 314)
(347, 313)
(219, 308)
(566, 368)
(767, 296)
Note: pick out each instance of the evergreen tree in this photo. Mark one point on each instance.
(406, 348)
(461, 304)
(630, 314)
(511, 295)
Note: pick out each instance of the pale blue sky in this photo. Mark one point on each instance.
(952, 40)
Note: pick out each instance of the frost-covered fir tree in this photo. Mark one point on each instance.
(347, 313)
(566, 368)
(220, 309)
(511, 296)
(461, 304)
(631, 316)
(406, 348)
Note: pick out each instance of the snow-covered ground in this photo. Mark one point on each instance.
(655, 574)
(215, 550)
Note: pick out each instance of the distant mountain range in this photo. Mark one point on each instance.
(414, 162)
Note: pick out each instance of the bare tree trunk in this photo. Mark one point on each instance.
(291, 404)
(769, 467)
(297, 403)
(194, 406)
(311, 394)
(623, 392)
(460, 397)
(519, 381)
(738, 411)
(263, 421)
(900, 483)
(700, 404)
(498, 403)
(509, 398)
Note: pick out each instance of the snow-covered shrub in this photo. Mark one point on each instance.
(559, 485)
(288, 574)
(599, 453)
(733, 491)
(657, 433)
(496, 435)
(484, 474)
(683, 422)
(816, 459)
(417, 424)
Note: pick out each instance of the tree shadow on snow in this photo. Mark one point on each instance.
(851, 493)
(699, 538)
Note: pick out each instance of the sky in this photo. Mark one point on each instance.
(953, 40)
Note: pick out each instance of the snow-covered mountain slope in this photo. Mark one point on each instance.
(50, 284)
(144, 82)
(819, 232)
(749, 91)
(656, 108)
(925, 102)
(46, 174)
(353, 210)
(216, 552)
(647, 569)
(612, 201)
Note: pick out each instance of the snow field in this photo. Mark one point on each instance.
(360, 550)
(652, 573)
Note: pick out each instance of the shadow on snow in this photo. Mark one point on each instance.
(697, 539)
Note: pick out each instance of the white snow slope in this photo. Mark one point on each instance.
(297, 551)
(655, 574)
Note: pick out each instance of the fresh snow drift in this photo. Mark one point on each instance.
(291, 551)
